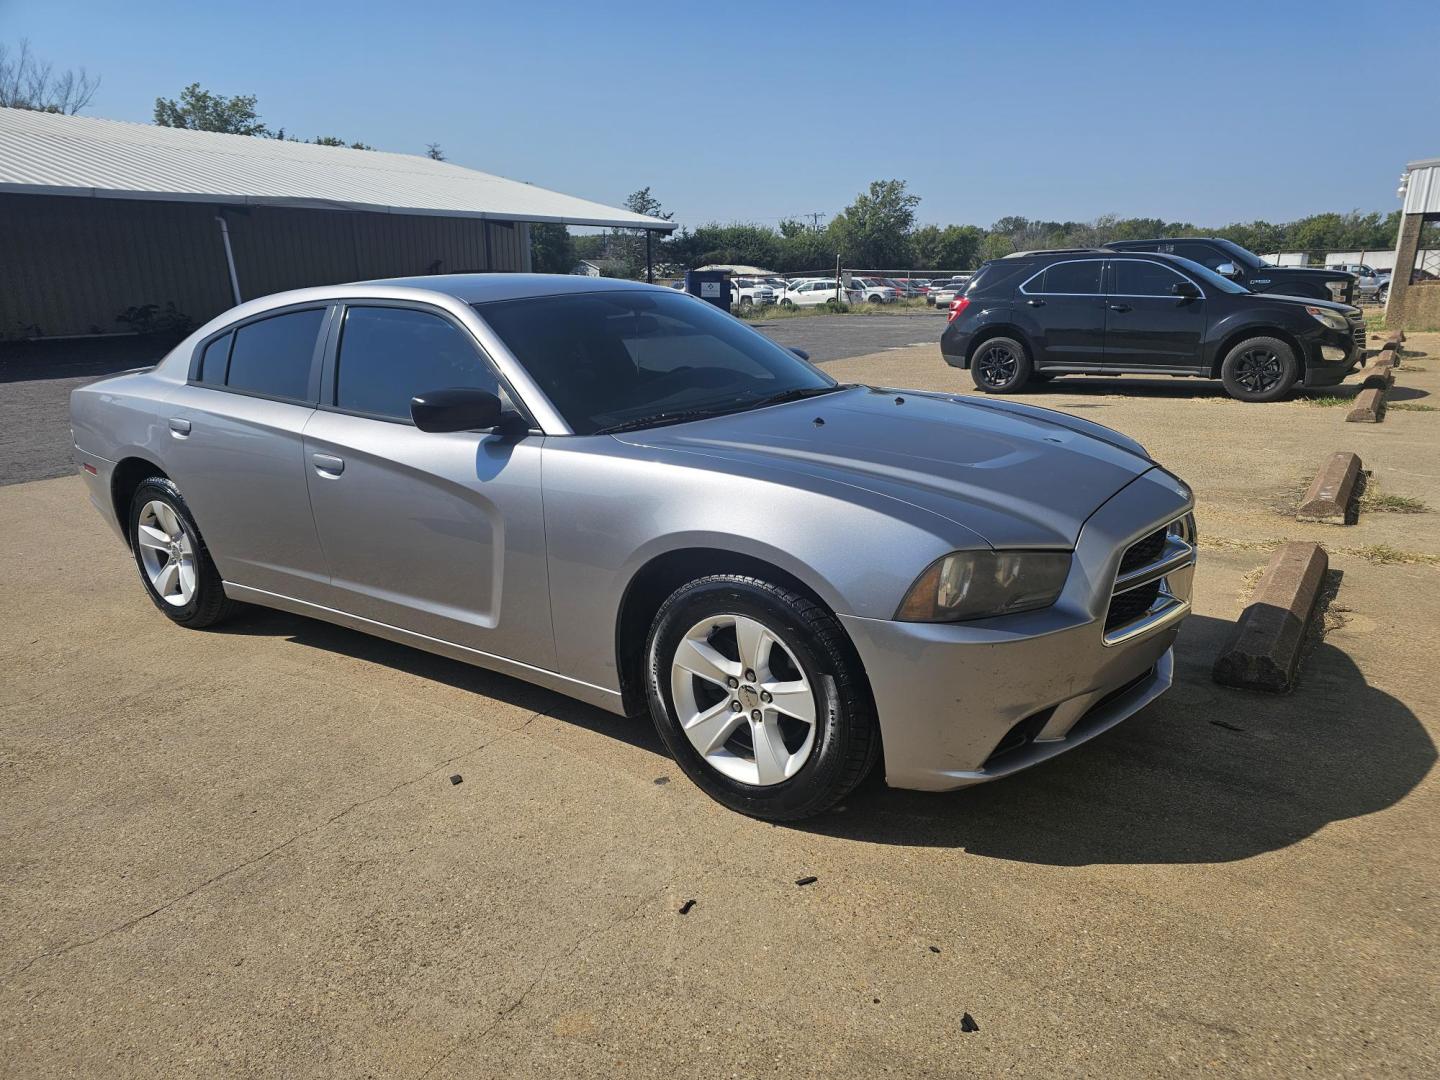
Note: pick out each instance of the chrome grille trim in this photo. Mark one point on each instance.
(1178, 554)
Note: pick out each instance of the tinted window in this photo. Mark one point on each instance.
(1069, 277)
(1133, 278)
(389, 355)
(272, 357)
(214, 359)
(609, 358)
(1203, 254)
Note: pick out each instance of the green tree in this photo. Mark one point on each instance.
(953, 247)
(331, 140)
(642, 202)
(200, 110)
(552, 248)
(873, 232)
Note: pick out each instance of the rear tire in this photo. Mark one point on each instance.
(1260, 369)
(175, 565)
(787, 303)
(782, 756)
(1000, 365)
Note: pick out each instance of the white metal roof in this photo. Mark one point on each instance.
(48, 154)
(1422, 187)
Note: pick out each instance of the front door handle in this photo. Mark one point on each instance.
(179, 427)
(1035, 303)
(1119, 307)
(328, 464)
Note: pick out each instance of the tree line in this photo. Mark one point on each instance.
(878, 231)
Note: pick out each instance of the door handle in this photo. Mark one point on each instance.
(179, 427)
(1035, 303)
(328, 464)
(1119, 307)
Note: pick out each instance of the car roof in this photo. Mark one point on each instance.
(482, 288)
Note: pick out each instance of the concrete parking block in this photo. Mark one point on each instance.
(1332, 491)
(1369, 407)
(1381, 376)
(1264, 652)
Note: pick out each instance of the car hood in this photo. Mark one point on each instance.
(1313, 273)
(1015, 478)
(1348, 310)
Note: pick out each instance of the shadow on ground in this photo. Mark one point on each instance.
(1206, 774)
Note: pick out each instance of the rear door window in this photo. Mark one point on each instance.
(273, 357)
(215, 359)
(389, 355)
(1075, 278)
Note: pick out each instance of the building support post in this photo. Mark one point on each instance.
(1407, 246)
(229, 257)
(650, 256)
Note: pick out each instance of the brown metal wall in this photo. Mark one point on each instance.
(71, 265)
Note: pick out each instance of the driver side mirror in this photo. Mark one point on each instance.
(1187, 289)
(1229, 269)
(459, 408)
(801, 353)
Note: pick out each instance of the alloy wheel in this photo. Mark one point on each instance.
(743, 700)
(167, 553)
(1259, 370)
(997, 365)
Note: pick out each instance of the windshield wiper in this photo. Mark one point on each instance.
(798, 393)
(659, 419)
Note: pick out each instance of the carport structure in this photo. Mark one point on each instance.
(99, 219)
(1415, 305)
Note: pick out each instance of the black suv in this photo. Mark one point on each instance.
(1246, 268)
(1033, 315)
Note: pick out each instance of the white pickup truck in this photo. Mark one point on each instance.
(1370, 283)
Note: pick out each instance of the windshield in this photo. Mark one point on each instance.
(632, 358)
(1207, 277)
(1243, 256)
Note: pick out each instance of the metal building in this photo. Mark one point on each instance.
(99, 219)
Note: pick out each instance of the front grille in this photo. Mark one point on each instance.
(1357, 333)
(1129, 606)
(1144, 551)
(1130, 601)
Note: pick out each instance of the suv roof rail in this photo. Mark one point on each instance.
(1055, 251)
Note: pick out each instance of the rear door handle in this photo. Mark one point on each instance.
(328, 464)
(1035, 303)
(179, 427)
(1119, 307)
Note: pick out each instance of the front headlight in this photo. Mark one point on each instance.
(978, 584)
(1333, 319)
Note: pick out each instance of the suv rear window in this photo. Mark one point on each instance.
(1069, 277)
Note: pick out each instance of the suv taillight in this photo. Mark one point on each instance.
(959, 304)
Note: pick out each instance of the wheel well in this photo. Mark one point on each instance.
(998, 330)
(652, 585)
(1256, 331)
(128, 475)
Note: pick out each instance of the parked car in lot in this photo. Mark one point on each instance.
(620, 493)
(751, 292)
(874, 290)
(941, 295)
(817, 292)
(1370, 283)
(1248, 269)
(1029, 317)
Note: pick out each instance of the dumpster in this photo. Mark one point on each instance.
(712, 286)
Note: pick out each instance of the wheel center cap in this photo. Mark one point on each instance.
(749, 696)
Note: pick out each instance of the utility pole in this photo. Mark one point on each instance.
(814, 219)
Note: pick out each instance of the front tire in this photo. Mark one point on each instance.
(1000, 365)
(175, 565)
(1259, 369)
(787, 303)
(757, 694)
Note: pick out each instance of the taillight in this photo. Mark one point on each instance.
(959, 304)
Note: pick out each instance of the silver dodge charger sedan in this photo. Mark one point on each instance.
(620, 492)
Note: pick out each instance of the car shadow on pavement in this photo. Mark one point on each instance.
(315, 634)
(1205, 774)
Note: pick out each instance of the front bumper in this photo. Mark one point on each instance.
(1331, 355)
(963, 703)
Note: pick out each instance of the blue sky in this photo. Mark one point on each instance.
(1208, 111)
